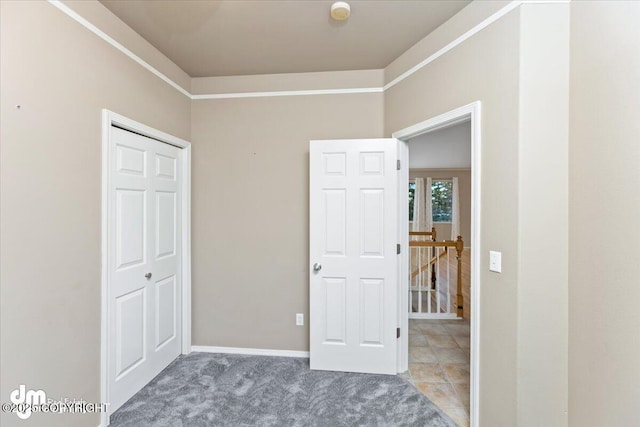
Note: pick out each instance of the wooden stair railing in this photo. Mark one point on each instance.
(432, 261)
(431, 233)
(459, 247)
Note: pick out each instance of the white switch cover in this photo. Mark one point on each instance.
(495, 261)
(299, 319)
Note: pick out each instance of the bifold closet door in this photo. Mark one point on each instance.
(144, 292)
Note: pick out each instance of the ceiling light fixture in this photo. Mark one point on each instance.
(340, 10)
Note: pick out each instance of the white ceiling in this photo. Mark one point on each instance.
(237, 37)
(442, 149)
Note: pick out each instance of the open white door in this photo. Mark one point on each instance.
(353, 255)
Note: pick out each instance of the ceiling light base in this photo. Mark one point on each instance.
(340, 11)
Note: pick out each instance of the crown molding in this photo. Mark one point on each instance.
(468, 34)
(288, 93)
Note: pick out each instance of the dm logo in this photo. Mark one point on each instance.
(25, 400)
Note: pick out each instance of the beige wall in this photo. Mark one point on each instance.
(543, 216)
(483, 68)
(251, 214)
(494, 68)
(443, 230)
(604, 284)
(284, 82)
(61, 75)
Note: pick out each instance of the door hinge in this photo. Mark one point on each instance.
(397, 332)
(398, 164)
(398, 248)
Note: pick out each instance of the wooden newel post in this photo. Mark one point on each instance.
(460, 301)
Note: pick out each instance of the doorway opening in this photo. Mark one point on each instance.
(439, 286)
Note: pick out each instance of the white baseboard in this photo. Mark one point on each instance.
(251, 351)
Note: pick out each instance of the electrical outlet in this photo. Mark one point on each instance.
(299, 319)
(495, 261)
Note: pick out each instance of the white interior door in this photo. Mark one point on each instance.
(144, 292)
(353, 255)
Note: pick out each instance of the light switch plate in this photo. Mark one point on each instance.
(495, 261)
(299, 319)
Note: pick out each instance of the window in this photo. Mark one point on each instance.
(441, 199)
(412, 193)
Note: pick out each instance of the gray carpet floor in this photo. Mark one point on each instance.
(204, 389)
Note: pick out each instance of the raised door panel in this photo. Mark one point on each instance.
(371, 222)
(131, 224)
(165, 224)
(130, 331)
(371, 163)
(334, 205)
(131, 161)
(335, 304)
(165, 311)
(334, 164)
(166, 167)
(372, 312)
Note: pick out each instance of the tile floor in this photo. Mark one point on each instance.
(439, 364)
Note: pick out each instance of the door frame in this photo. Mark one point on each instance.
(109, 119)
(473, 112)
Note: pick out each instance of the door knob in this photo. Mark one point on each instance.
(148, 276)
(317, 267)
